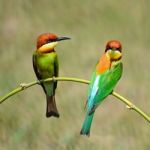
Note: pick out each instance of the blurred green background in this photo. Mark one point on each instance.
(90, 24)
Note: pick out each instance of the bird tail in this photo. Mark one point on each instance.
(87, 124)
(51, 109)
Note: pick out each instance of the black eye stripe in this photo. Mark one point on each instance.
(49, 40)
(118, 49)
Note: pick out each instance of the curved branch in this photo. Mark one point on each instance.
(131, 106)
(24, 86)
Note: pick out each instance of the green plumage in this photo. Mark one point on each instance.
(46, 66)
(101, 86)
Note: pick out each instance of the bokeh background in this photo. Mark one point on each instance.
(90, 24)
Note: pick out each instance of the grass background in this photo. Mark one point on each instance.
(90, 24)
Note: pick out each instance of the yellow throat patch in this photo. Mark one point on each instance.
(114, 55)
(47, 47)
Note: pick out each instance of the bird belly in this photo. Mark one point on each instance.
(45, 67)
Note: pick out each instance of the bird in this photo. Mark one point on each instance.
(45, 65)
(104, 78)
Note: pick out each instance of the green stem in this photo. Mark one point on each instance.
(131, 106)
(24, 86)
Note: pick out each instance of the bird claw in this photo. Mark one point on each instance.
(53, 79)
(38, 82)
(23, 85)
(111, 92)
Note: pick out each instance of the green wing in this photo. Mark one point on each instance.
(56, 70)
(38, 75)
(103, 84)
(35, 66)
(108, 81)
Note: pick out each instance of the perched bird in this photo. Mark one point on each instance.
(45, 64)
(106, 75)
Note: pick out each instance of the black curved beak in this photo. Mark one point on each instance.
(62, 38)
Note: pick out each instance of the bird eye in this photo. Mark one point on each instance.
(107, 48)
(49, 41)
(118, 49)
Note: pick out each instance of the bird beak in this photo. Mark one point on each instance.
(62, 38)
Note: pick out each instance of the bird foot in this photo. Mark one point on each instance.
(38, 82)
(111, 92)
(23, 85)
(53, 79)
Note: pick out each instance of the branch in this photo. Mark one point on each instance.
(131, 106)
(24, 86)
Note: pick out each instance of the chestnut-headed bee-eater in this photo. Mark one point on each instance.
(106, 75)
(45, 64)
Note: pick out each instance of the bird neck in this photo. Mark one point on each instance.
(115, 62)
(103, 64)
(45, 51)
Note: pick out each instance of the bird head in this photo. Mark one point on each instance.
(47, 41)
(113, 50)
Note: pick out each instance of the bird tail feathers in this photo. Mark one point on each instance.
(51, 107)
(87, 124)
